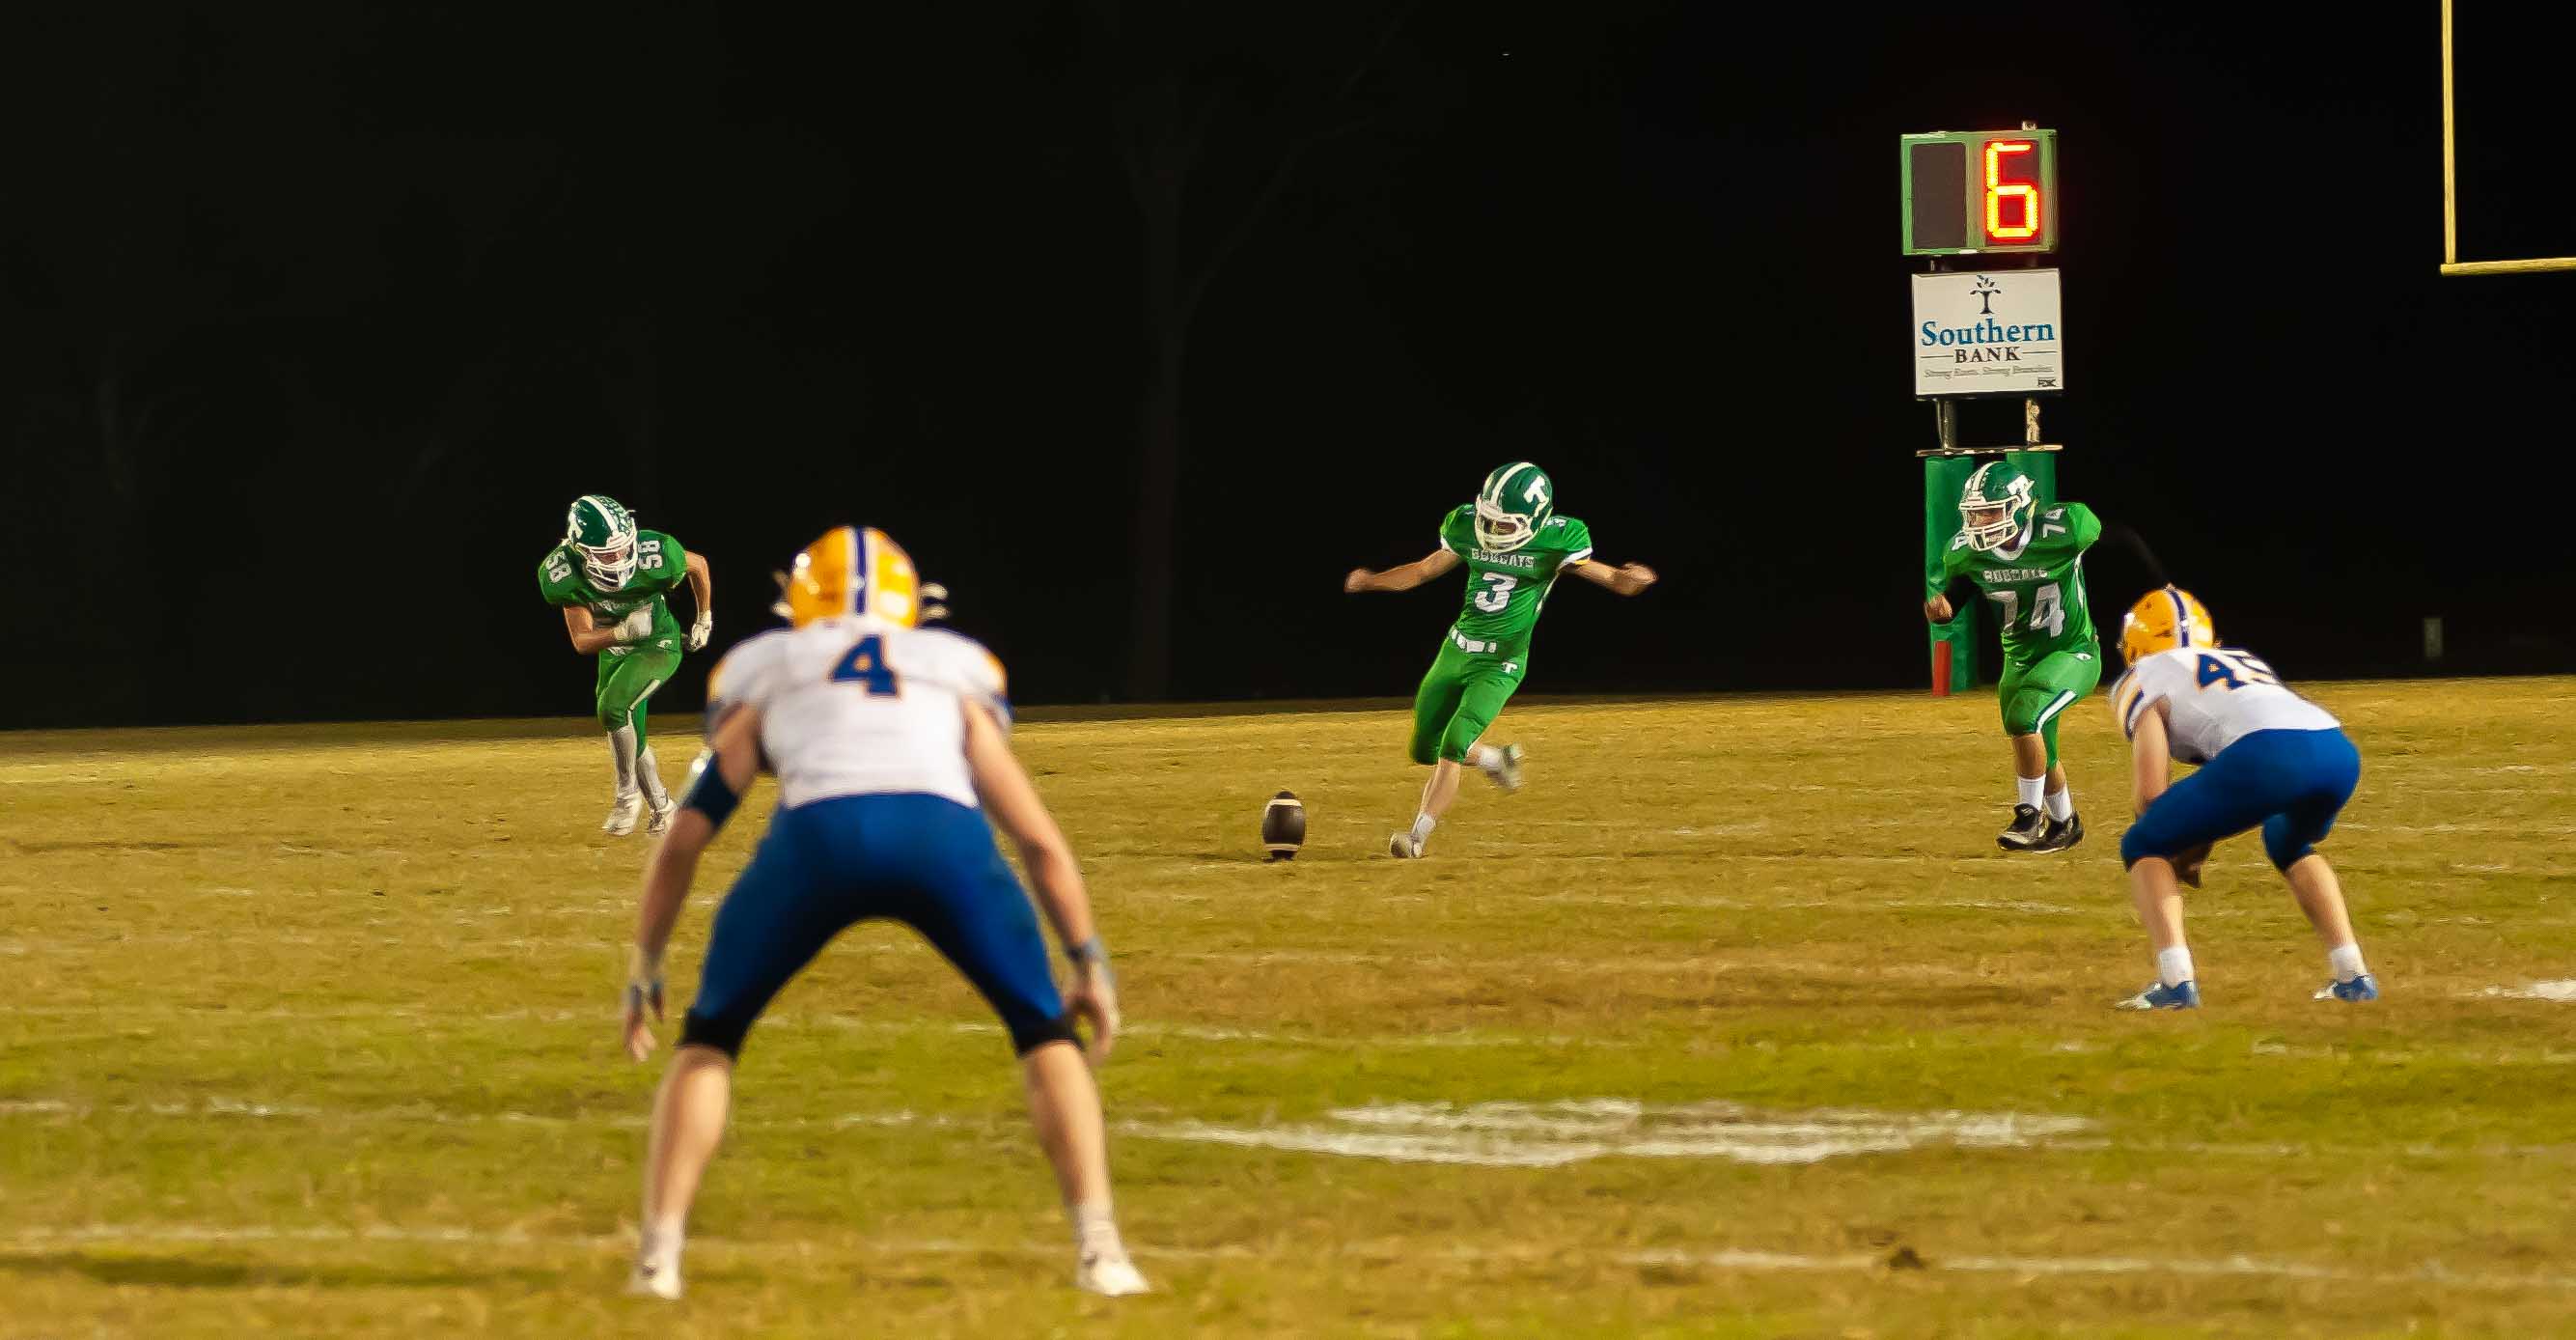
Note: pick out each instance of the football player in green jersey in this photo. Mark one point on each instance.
(611, 579)
(1514, 547)
(2029, 560)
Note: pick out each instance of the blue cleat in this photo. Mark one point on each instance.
(2364, 987)
(2158, 996)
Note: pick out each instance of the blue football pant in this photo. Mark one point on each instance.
(923, 860)
(2290, 782)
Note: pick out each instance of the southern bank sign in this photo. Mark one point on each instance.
(1991, 332)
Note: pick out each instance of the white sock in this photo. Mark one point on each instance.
(1095, 1230)
(1484, 756)
(2029, 789)
(2345, 960)
(621, 751)
(649, 773)
(1422, 826)
(661, 1245)
(2174, 965)
(2061, 804)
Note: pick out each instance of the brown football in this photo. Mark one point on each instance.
(1283, 826)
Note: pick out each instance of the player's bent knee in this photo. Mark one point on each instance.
(2284, 856)
(2138, 844)
(1027, 1035)
(723, 1033)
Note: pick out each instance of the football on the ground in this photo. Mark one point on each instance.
(1283, 826)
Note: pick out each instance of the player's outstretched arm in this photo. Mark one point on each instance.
(715, 786)
(1439, 563)
(701, 589)
(1627, 579)
(1012, 801)
(589, 639)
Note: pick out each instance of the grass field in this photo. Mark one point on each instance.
(1733, 1022)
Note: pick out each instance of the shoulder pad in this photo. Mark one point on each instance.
(969, 668)
(737, 673)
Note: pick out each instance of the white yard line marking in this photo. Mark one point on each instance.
(2562, 990)
(1548, 1135)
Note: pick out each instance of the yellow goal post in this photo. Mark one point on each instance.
(2451, 262)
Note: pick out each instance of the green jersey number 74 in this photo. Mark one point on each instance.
(2047, 609)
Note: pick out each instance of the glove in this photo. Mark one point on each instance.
(701, 630)
(637, 626)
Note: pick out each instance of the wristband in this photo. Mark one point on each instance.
(1089, 953)
(643, 980)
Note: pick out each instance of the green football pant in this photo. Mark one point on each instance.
(2036, 693)
(1460, 697)
(626, 681)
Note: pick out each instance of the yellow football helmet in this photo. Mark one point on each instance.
(2163, 620)
(852, 570)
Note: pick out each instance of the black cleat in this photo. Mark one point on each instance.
(2062, 834)
(2029, 829)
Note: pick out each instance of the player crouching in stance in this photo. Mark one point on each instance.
(2267, 757)
(1514, 548)
(887, 740)
(610, 580)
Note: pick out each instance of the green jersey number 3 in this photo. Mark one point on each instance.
(2047, 609)
(1493, 600)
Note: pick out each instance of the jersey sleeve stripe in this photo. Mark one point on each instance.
(2137, 705)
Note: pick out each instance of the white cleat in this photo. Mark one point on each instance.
(652, 1281)
(1108, 1275)
(621, 820)
(1506, 772)
(1402, 844)
(661, 808)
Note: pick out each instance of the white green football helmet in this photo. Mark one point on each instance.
(1516, 500)
(1995, 507)
(603, 533)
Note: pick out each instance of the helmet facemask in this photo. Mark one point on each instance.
(1500, 530)
(1993, 517)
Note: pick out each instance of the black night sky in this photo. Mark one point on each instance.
(313, 319)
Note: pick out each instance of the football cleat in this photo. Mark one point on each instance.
(2364, 987)
(1402, 844)
(2061, 834)
(621, 820)
(2028, 828)
(1110, 1275)
(1506, 771)
(2158, 996)
(649, 1280)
